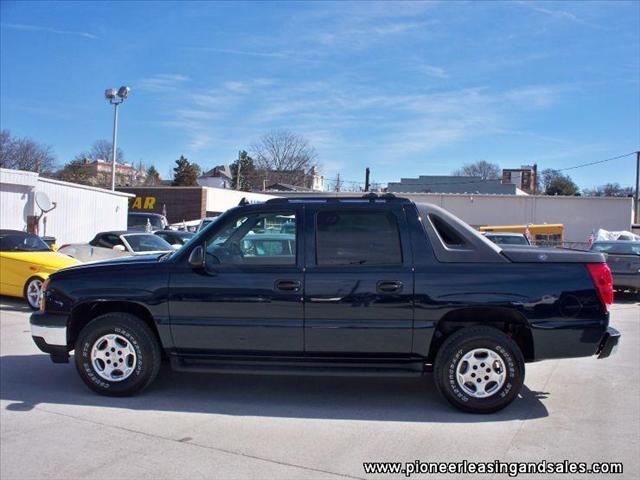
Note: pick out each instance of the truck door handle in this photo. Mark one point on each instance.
(388, 287)
(288, 285)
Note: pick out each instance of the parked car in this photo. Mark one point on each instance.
(26, 261)
(507, 238)
(146, 221)
(268, 245)
(374, 285)
(106, 245)
(623, 257)
(175, 237)
(205, 222)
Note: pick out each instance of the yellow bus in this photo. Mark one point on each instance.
(543, 234)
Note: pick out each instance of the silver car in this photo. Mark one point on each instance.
(106, 245)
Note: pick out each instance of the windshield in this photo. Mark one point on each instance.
(618, 248)
(140, 221)
(22, 242)
(147, 243)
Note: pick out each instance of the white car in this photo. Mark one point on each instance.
(106, 245)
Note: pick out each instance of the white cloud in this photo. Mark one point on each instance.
(162, 82)
(37, 28)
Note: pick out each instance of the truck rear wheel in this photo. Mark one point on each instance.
(479, 370)
(117, 354)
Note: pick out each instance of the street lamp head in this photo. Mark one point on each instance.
(123, 92)
(110, 93)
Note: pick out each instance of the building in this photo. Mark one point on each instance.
(525, 178)
(80, 211)
(217, 177)
(579, 215)
(286, 187)
(188, 203)
(100, 172)
(452, 184)
(294, 180)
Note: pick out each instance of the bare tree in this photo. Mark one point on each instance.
(481, 168)
(100, 150)
(285, 157)
(609, 190)
(25, 154)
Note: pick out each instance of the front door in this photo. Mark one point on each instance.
(359, 281)
(249, 296)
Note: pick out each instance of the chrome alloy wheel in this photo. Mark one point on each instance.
(34, 293)
(481, 372)
(113, 357)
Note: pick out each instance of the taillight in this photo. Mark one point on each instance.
(602, 279)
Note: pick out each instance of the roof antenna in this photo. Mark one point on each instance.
(243, 202)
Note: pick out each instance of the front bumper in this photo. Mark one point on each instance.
(49, 332)
(609, 343)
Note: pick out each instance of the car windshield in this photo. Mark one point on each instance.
(508, 239)
(147, 243)
(22, 242)
(618, 248)
(140, 221)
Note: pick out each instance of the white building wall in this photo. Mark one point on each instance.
(81, 211)
(221, 199)
(579, 215)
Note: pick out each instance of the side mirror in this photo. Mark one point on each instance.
(196, 258)
(119, 248)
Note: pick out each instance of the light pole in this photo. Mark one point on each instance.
(115, 98)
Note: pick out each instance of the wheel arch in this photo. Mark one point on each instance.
(83, 313)
(507, 320)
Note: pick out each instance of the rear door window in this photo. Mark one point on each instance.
(357, 238)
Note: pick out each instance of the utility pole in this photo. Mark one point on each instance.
(366, 179)
(636, 203)
(114, 146)
(238, 175)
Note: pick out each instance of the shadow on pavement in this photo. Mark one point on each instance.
(30, 380)
(12, 304)
(626, 298)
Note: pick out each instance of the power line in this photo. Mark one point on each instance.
(466, 182)
(596, 162)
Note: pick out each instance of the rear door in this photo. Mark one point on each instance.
(358, 281)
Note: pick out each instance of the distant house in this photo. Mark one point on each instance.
(286, 187)
(453, 184)
(217, 177)
(294, 180)
(100, 172)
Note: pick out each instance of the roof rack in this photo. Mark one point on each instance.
(371, 197)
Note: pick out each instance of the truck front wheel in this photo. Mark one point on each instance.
(479, 370)
(117, 354)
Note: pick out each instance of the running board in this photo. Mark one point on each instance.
(283, 367)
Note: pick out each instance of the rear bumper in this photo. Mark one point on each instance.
(609, 343)
(49, 333)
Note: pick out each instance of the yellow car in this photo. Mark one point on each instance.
(25, 262)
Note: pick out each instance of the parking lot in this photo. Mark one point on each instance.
(229, 426)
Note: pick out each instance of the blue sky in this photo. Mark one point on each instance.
(404, 88)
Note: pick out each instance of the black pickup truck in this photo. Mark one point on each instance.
(373, 285)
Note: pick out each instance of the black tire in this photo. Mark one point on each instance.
(453, 350)
(142, 341)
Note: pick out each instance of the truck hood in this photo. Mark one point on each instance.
(527, 254)
(115, 262)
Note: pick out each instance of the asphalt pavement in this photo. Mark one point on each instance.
(192, 426)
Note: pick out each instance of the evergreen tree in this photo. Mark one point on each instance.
(185, 173)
